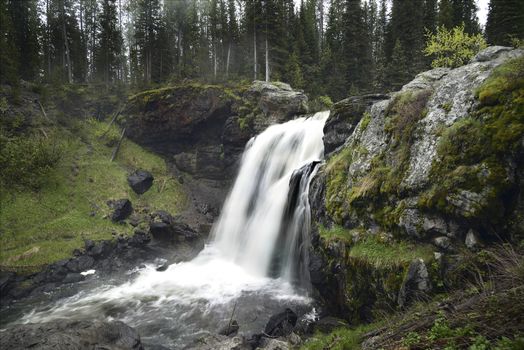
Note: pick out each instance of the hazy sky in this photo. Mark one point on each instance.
(482, 11)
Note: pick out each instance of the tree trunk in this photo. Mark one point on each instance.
(66, 43)
(228, 57)
(255, 51)
(267, 62)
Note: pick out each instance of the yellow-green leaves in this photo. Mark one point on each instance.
(453, 47)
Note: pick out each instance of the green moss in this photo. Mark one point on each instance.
(71, 205)
(364, 122)
(472, 152)
(381, 252)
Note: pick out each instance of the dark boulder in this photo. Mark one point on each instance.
(416, 284)
(164, 227)
(140, 181)
(122, 208)
(73, 278)
(5, 282)
(230, 329)
(140, 238)
(71, 335)
(281, 324)
(81, 263)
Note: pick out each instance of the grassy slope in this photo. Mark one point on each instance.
(58, 218)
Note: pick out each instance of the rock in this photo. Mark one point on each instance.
(5, 280)
(122, 208)
(416, 283)
(165, 227)
(273, 344)
(71, 335)
(81, 263)
(100, 249)
(281, 324)
(490, 53)
(443, 243)
(471, 240)
(219, 342)
(140, 181)
(230, 329)
(73, 278)
(140, 238)
(344, 117)
(162, 267)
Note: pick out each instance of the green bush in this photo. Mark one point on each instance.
(25, 160)
(453, 47)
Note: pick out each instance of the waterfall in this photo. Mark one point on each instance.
(256, 259)
(254, 213)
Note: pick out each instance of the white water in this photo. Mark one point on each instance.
(173, 307)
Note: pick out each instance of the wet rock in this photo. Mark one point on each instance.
(281, 324)
(122, 208)
(81, 263)
(166, 228)
(73, 278)
(416, 283)
(140, 238)
(230, 329)
(162, 267)
(71, 335)
(471, 240)
(5, 281)
(443, 243)
(273, 344)
(100, 249)
(140, 181)
(220, 342)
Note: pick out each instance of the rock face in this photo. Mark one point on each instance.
(439, 163)
(204, 128)
(71, 335)
(281, 324)
(122, 208)
(140, 181)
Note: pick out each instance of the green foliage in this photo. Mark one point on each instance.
(453, 47)
(320, 103)
(339, 339)
(364, 122)
(70, 205)
(382, 252)
(26, 160)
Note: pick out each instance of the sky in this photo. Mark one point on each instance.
(482, 11)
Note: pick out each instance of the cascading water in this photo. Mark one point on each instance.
(256, 258)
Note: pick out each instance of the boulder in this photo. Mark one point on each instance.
(140, 181)
(122, 208)
(471, 241)
(230, 329)
(71, 335)
(281, 324)
(416, 283)
(443, 243)
(81, 263)
(164, 227)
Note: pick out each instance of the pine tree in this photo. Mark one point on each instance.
(505, 21)
(9, 54)
(26, 27)
(397, 72)
(109, 49)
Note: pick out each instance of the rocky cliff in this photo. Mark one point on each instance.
(416, 179)
(203, 129)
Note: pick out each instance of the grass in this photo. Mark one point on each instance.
(380, 252)
(339, 339)
(71, 205)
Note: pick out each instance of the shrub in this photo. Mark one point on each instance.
(453, 47)
(25, 160)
